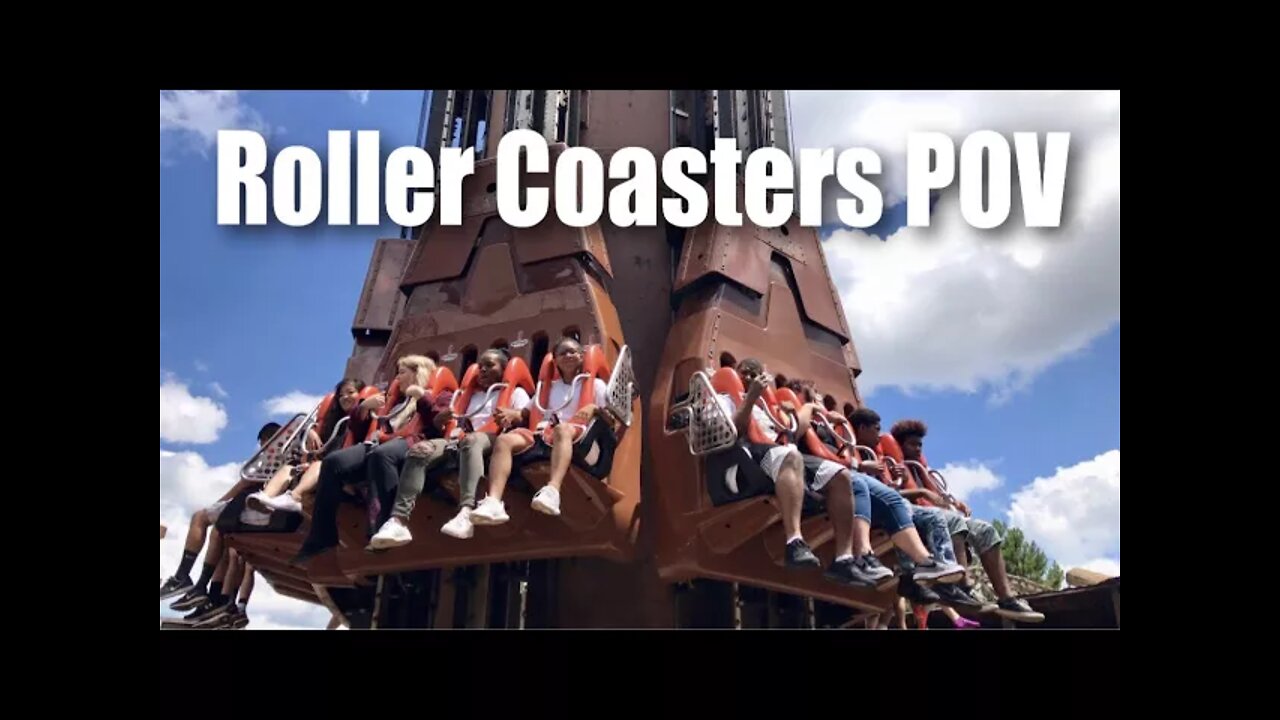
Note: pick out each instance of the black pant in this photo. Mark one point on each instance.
(344, 467)
(382, 472)
(377, 469)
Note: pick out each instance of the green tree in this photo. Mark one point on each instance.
(1024, 558)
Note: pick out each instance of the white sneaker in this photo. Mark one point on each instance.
(258, 501)
(489, 512)
(460, 526)
(283, 502)
(547, 501)
(393, 533)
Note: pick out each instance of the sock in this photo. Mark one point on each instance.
(215, 591)
(842, 558)
(796, 537)
(188, 559)
(207, 572)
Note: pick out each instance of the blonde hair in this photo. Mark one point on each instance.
(422, 365)
(423, 368)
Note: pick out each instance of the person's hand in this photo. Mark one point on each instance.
(415, 391)
(585, 413)
(506, 417)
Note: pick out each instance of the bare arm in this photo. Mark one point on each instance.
(742, 419)
(804, 418)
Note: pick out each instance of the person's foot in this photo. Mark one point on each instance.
(175, 586)
(217, 616)
(460, 526)
(851, 571)
(915, 592)
(393, 533)
(490, 511)
(258, 501)
(1017, 609)
(937, 570)
(547, 501)
(284, 502)
(955, 596)
(875, 568)
(799, 555)
(235, 619)
(191, 599)
(965, 623)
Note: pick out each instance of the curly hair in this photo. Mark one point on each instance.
(904, 429)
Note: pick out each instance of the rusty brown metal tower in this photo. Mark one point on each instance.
(646, 545)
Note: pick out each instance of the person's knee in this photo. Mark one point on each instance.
(793, 462)
(983, 535)
(421, 451)
(840, 484)
(470, 441)
(563, 434)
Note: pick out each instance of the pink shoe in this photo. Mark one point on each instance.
(966, 624)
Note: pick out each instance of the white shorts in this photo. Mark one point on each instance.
(818, 472)
(772, 461)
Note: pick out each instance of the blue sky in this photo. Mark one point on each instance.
(1008, 345)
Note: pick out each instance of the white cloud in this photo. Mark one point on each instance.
(951, 307)
(194, 117)
(291, 404)
(360, 96)
(1074, 515)
(217, 390)
(966, 480)
(187, 484)
(185, 418)
(201, 367)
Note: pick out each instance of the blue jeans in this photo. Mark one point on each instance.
(879, 504)
(932, 525)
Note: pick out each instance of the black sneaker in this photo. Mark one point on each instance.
(954, 596)
(196, 616)
(217, 616)
(192, 599)
(873, 567)
(915, 592)
(851, 571)
(799, 555)
(238, 619)
(1017, 609)
(175, 586)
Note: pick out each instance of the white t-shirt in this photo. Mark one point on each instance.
(762, 418)
(519, 399)
(560, 392)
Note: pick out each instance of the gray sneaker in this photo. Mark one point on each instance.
(935, 570)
